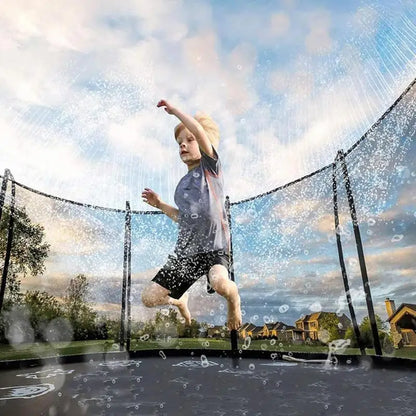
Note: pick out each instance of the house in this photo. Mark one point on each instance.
(277, 330)
(218, 331)
(291, 334)
(402, 323)
(311, 324)
(246, 330)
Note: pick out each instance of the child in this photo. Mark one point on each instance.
(203, 240)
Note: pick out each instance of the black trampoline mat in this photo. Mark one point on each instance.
(201, 386)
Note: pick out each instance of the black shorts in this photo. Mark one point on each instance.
(180, 273)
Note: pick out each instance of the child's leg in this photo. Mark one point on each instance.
(218, 277)
(156, 295)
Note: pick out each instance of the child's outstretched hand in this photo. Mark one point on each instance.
(168, 107)
(151, 198)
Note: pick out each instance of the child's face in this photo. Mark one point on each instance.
(188, 147)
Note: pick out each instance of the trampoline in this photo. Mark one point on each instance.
(164, 381)
(201, 384)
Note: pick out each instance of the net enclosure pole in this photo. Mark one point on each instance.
(342, 262)
(361, 258)
(7, 176)
(124, 286)
(233, 335)
(3, 190)
(128, 238)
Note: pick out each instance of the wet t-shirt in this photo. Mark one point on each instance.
(202, 220)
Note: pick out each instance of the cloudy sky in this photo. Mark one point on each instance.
(289, 82)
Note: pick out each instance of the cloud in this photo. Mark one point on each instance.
(365, 20)
(318, 40)
(141, 137)
(279, 24)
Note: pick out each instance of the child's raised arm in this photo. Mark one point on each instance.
(153, 199)
(192, 125)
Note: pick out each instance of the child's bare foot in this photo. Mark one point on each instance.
(234, 320)
(182, 305)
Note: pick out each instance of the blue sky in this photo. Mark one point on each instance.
(289, 83)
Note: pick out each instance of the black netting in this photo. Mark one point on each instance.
(65, 274)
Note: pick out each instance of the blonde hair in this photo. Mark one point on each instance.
(208, 124)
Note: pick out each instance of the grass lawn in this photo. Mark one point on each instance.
(40, 350)
(43, 349)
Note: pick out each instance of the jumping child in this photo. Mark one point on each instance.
(203, 241)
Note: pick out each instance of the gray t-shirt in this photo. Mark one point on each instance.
(203, 225)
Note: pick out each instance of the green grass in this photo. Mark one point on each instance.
(41, 350)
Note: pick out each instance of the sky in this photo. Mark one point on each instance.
(289, 83)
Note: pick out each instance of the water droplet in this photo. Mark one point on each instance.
(247, 342)
(315, 307)
(252, 213)
(204, 361)
(283, 308)
(323, 336)
(251, 366)
(397, 238)
(162, 354)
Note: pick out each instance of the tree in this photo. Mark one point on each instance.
(43, 309)
(329, 322)
(80, 315)
(28, 253)
(367, 334)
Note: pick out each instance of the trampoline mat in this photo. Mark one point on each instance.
(201, 386)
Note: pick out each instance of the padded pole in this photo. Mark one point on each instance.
(360, 250)
(9, 237)
(234, 335)
(128, 225)
(124, 287)
(3, 190)
(342, 262)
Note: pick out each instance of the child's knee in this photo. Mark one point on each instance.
(147, 299)
(218, 278)
(149, 296)
(154, 295)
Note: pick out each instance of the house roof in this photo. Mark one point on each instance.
(316, 315)
(402, 306)
(281, 326)
(218, 328)
(311, 317)
(247, 326)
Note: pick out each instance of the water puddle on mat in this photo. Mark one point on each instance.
(25, 392)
